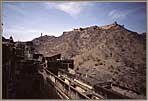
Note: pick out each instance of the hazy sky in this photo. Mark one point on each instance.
(27, 20)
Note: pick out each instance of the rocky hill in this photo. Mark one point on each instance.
(107, 53)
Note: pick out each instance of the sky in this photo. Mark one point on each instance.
(27, 20)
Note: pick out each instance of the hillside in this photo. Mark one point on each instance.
(107, 53)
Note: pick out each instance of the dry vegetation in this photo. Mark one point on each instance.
(106, 53)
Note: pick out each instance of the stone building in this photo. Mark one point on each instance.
(20, 71)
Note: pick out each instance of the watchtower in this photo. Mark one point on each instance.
(115, 23)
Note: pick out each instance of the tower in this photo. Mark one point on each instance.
(115, 23)
(11, 39)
